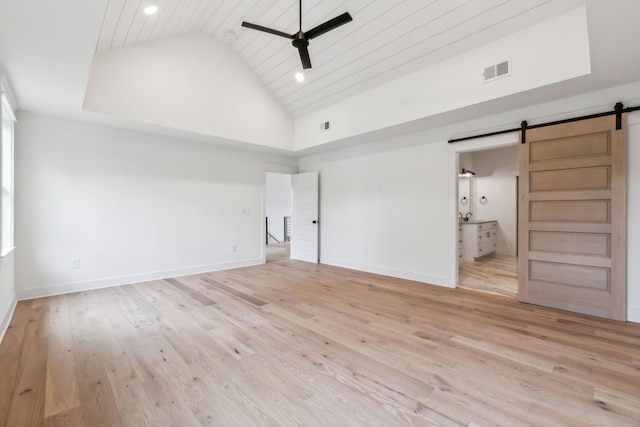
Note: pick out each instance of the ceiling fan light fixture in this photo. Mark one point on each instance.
(300, 76)
(300, 39)
(151, 9)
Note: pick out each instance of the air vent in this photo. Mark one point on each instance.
(497, 71)
(325, 126)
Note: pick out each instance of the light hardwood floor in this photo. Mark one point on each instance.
(496, 274)
(277, 251)
(295, 344)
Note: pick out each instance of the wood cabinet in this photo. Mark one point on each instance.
(479, 238)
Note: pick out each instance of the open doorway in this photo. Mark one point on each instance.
(278, 209)
(488, 228)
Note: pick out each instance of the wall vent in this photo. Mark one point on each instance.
(496, 71)
(325, 126)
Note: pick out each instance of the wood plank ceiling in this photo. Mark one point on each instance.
(387, 39)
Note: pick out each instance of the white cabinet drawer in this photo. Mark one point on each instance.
(486, 234)
(487, 246)
(487, 225)
(478, 239)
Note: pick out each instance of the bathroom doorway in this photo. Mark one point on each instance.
(488, 214)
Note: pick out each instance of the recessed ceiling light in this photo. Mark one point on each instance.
(229, 36)
(299, 76)
(150, 10)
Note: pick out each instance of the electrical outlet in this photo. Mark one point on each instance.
(234, 248)
(75, 263)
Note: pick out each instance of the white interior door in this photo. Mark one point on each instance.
(304, 225)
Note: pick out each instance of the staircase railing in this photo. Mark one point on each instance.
(267, 233)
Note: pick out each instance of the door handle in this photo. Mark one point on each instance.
(314, 222)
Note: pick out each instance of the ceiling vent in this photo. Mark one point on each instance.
(325, 126)
(497, 71)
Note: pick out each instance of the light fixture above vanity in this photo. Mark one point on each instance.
(466, 173)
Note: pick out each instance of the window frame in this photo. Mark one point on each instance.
(7, 153)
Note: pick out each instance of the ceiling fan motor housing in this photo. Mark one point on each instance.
(300, 40)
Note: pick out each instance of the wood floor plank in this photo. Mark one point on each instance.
(166, 299)
(9, 364)
(496, 274)
(125, 385)
(62, 392)
(140, 414)
(295, 344)
(141, 313)
(235, 292)
(179, 284)
(217, 410)
(28, 399)
(69, 418)
(166, 380)
(11, 352)
(112, 301)
(14, 336)
(97, 403)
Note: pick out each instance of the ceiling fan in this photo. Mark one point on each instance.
(300, 40)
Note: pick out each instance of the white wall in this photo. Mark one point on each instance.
(190, 82)
(383, 208)
(495, 179)
(133, 206)
(389, 207)
(278, 203)
(130, 206)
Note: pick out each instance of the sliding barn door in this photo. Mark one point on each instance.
(572, 217)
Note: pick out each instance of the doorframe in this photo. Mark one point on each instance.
(474, 145)
(263, 229)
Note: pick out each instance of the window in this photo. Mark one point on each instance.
(6, 169)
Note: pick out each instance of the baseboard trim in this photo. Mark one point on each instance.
(66, 288)
(4, 325)
(386, 271)
(633, 315)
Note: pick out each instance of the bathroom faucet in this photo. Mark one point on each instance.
(467, 215)
(460, 213)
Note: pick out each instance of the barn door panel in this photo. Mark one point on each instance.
(572, 217)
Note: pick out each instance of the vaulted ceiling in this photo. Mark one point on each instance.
(47, 48)
(385, 40)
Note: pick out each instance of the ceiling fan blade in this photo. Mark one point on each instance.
(304, 57)
(328, 26)
(266, 30)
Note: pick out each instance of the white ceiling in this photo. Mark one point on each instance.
(385, 40)
(47, 47)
